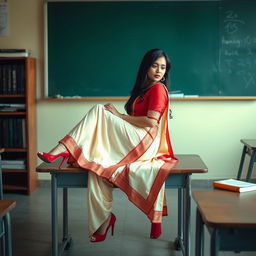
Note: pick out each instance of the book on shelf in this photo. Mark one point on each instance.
(12, 78)
(7, 50)
(14, 164)
(10, 109)
(23, 133)
(13, 132)
(234, 185)
(13, 161)
(6, 107)
(14, 52)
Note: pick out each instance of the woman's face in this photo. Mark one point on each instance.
(157, 70)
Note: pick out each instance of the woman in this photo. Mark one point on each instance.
(132, 152)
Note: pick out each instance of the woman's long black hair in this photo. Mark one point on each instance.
(142, 83)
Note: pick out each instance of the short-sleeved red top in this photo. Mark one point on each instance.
(156, 99)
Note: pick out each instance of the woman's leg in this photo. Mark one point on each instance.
(159, 211)
(58, 149)
(100, 134)
(99, 204)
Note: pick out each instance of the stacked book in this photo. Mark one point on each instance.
(14, 164)
(12, 107)
(14, 53)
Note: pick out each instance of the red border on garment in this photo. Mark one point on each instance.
(107, 173)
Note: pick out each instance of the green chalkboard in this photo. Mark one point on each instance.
(94, 48)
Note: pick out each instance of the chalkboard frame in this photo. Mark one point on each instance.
(45, 92)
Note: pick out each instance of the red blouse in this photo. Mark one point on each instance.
(156, 99)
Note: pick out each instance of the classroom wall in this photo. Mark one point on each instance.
(212, 129)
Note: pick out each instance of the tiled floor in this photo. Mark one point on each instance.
(31, 226)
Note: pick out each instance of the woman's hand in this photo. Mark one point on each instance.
(140, 121)
(110, 107)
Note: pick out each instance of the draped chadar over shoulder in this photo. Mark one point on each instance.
(137, 160)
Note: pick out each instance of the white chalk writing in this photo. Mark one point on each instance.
(238, 51)
(232, 23)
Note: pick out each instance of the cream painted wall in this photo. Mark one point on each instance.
(212, 129)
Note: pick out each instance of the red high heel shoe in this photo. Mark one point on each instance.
(99, 238)
(48, 158)
(156, 230)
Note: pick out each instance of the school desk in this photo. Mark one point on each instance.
(70, 177)
(230, 218)
(249, 149)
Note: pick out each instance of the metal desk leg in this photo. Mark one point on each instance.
(215, 242)
(8, 238)
(199, 250)
(184, 214)
(66, 240)
(250, 168)
(54, 215)
(2, 245)
(178, 243)
(65, 214)
(181, 213)
(187, 204)
(241, 163)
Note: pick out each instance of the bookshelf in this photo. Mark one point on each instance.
(18, 123)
